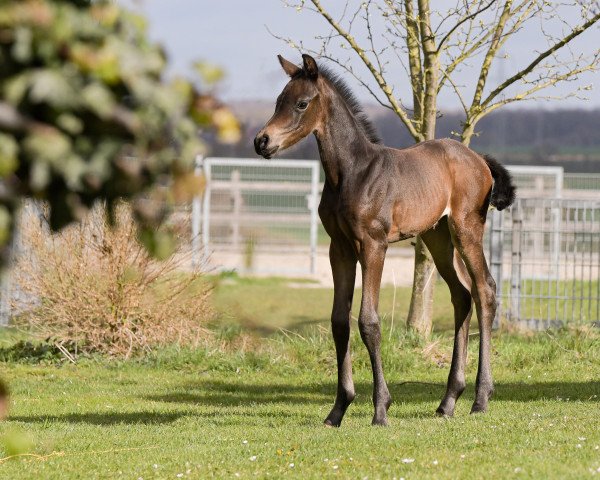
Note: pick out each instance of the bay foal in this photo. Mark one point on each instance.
(375, 195)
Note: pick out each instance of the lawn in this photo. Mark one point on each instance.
(247, 407)
(266, 305)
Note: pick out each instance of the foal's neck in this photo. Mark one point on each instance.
(343, 145)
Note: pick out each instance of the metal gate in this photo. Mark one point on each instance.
(545, 257)
(257, 215)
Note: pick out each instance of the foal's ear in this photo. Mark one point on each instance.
(288, 67)
(310, 66)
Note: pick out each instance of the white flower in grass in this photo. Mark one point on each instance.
(253, 458)
(245, 442)
(291, 465)
(435, 462)
(408, 460)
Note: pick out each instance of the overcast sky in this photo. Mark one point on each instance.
(233, 34)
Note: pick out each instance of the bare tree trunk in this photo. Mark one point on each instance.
(421, 304)
(420, 318)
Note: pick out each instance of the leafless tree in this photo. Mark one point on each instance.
(436, 46)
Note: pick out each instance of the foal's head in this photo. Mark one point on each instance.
(297, 111)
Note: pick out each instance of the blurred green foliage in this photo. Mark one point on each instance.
(86, 114)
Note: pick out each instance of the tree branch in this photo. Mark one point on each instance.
(489, 56)
(548, 83)
(460, 22)
(414, 60)
(430, 70)
(522, 73)
(383, 85)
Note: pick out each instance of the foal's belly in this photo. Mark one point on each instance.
(409, 221)
(396, 236)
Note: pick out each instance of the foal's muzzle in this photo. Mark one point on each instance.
(261, 146)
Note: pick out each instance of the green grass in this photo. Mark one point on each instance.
(266, 305)
(227, 411)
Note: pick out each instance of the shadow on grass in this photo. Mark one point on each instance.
(217, 416)
(225, 400)
(220, 393)
(299, 324)
(105, 418)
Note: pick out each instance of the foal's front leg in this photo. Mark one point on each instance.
(343, 267)
(372, 257)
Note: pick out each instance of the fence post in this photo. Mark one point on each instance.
(197, 217)
(236, 194)
(515, 275)
(496, 256)
(314, 197)
(206, 209)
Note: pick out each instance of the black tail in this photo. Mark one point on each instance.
(503, 192)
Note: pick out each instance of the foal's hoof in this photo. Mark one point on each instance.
(446, 408)
(478, 408)
(334, 419)
(481, 401)
(444, 412)
(330, 424)
(380, 422)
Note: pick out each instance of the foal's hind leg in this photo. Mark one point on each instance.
(468, 237)
(451, 268)
(343, 266)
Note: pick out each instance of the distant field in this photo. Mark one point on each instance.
(592, 151)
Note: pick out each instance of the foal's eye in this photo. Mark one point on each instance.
(302, 105)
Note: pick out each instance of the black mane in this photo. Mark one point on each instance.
(351, 101)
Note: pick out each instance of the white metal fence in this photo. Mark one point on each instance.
(552, 182)
(545, 257)
(538, 181)
(255, 208)
(544, 251)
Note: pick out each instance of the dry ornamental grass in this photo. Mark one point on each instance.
(96, 289)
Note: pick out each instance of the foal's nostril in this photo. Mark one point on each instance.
(264, 141)
(260, 143)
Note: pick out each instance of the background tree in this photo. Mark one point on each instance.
(86, 114)
(433, 47)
